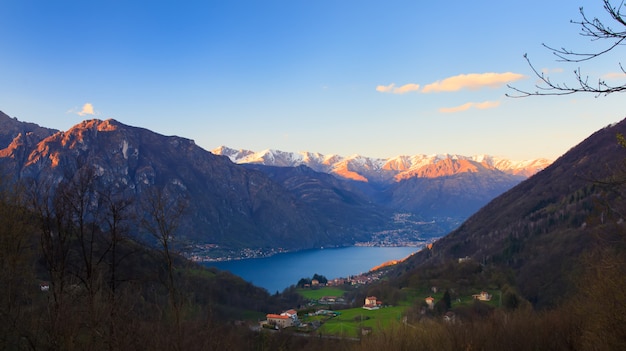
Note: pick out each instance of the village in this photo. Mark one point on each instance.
(331, 312)
(356, 321)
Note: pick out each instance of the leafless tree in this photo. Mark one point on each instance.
(163, 214)
(592, 28)
(115, 216)
(16, 274)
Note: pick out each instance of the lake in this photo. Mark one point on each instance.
(278, 272)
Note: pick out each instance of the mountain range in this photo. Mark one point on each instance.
(386, 171)
(286, 203)
(432, 186)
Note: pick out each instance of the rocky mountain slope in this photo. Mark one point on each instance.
(386, 171)
(227, 204)
(11, 128)
(539, 228)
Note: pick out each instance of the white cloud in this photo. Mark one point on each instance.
(477, 105)
(87, 110)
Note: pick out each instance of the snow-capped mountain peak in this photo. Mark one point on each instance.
(368, 169)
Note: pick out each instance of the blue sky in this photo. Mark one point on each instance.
(376, 78)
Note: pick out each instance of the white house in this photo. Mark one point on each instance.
(483, 296)
(293, 314)
(371, 303)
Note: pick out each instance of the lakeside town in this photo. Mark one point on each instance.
(405, 232)
(215, 253)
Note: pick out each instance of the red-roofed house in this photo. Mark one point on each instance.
(286, 319)
(279, 320)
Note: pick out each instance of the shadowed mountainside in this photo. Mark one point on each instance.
(539, 228)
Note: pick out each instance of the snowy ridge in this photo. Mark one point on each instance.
(393, 169)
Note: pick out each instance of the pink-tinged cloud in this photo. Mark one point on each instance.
(477, 105)
(407, 88)
(87, 110)
(385, 88)
(614, 75)
(551, 70)
(391, 88)
(472, 81)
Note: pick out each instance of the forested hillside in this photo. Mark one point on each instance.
(539, 229)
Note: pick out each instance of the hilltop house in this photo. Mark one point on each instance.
(371, 303)
(483, 296)
(286, 319)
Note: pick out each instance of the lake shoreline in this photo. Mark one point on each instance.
(203, 253)
(279, 271)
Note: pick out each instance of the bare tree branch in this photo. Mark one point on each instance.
(596, 30)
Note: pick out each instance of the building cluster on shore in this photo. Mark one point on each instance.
(215, 253)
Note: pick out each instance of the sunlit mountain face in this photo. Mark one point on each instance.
(395, 169)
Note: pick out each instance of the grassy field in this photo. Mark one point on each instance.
(316, 294)
(350, 321)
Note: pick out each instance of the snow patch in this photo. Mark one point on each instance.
(125, 149)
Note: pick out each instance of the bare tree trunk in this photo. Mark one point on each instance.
(163, 218)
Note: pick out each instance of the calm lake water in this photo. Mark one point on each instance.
(278, 272)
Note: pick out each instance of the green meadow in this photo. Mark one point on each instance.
(316, 294)
(350, 321)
